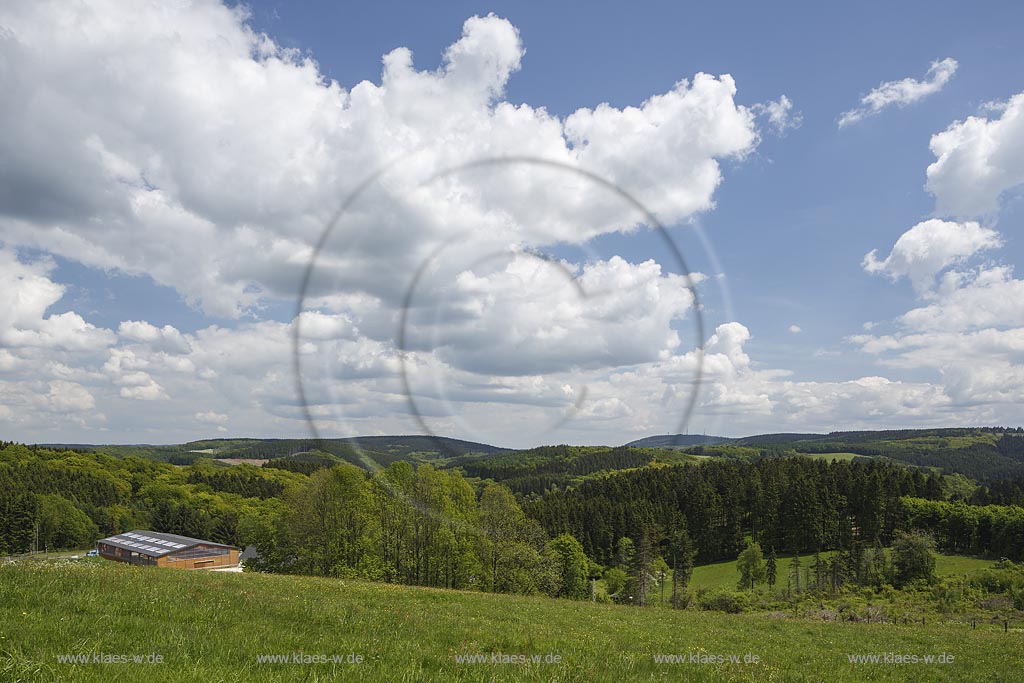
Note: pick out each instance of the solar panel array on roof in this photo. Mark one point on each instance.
(148, 544)
(154, 544)
(168, 545)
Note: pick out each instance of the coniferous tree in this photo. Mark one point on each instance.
(681, 554)
(771, 568)
(640, 570)
(819, 572)
(795, 570)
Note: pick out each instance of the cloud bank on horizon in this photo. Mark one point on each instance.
(183, 146)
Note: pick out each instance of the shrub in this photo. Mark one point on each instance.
(913, 557)
(682, 599)
(1017, 595)
(725, 601)
(1004, 577)
(953, 596)
(615, 580)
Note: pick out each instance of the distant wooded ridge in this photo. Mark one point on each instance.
(423, 442)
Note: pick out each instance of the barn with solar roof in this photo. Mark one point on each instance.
(166, 550)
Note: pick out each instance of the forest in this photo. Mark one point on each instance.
(486, 521)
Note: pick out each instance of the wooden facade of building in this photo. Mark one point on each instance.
(166, 550)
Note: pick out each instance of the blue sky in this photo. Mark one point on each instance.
(794, 214)
(793, 222)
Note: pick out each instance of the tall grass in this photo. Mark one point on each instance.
(211, 627)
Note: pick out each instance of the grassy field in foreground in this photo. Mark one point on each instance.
(724, 574)
(211, 627)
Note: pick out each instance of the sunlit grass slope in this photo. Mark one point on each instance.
(211, 627)
(725, 575)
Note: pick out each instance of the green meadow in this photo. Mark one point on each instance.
(725, 575)
(831, 456)
(215, 627)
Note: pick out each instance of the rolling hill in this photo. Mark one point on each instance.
(677, 441)
(980, 453)
(366, 451)
(231, 627)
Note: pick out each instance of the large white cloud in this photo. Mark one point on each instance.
(28, 293)
(202, 154)
(242, 376)
(901, 93)
(977, 161)
(166, 338)
(929, 247)
(70, 397)
(969, 328)
(988, 297)
(535, 316)
(205, 156)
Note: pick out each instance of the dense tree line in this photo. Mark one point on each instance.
(533, 485)
(980, 461)
(383, 450)
(968, 529)
(437, 527)
(285, 448)
(403, 524)
(1002, 492)
(985, 454)
(246, 483)
(563, 459)
(911, 559)
(1011, 446)
(791, 504)
(547, 468)
(840, 447)
(86, 478)
(907, 434)
(17, 521)
(55, 499)
(302, 466)
(730, 451)
(418, 526)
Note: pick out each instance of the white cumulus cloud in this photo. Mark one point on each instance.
(70, 397)
(929, 247)
(28, 294)
(977, 161)
(902, 92)
(207, 157)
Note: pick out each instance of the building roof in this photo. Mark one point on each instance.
(155, 543)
